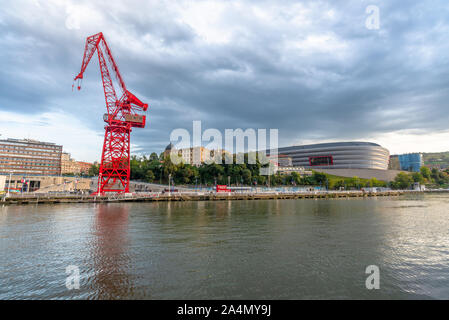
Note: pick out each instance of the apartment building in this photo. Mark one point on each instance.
(29, 157)
(71, 166)
(195, 155)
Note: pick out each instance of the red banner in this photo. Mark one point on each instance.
(222, 188)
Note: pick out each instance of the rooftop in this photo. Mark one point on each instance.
(27, 141)
(330, 144)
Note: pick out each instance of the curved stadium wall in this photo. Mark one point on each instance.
(339, 155)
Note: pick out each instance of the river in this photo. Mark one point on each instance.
(267, 249)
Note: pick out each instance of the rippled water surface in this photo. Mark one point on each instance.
(274, 249)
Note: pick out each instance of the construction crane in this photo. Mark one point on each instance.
(122, 115)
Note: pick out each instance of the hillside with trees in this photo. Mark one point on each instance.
(433, 178)
(436, 160)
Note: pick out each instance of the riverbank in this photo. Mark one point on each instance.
(189, 196)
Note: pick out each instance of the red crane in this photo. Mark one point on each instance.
(122, 115)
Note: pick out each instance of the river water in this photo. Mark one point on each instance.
(267, 249)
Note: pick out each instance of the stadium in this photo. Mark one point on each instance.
(339, 155)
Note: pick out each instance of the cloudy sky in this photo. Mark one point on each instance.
(312, 69)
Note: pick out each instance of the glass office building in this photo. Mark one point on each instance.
(411, 162)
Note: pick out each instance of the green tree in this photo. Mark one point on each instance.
(403, 181)
(376, 183)
(319, 177)
(168, 168)
(418, 177)
(154, 156)
(331, 184)
(94, 170)
(137, 170)
(149, 176)
(296, 178)
(339, 184)
(246, 173)
(261, 180)
(354, 182)
(426, 173)
(308, 180)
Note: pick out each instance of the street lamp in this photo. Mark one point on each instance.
(76, 183)
(169, 189)
(9, 183)
(160, 174)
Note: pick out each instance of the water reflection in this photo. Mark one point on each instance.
(109, 256)
(273, 249)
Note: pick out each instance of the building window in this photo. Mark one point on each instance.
(321, 161)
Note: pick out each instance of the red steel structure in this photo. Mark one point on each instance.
(122, 115)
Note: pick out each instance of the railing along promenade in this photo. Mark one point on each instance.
(33, 198)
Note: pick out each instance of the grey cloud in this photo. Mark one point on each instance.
(372, 82)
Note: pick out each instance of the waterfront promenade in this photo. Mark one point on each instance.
(190, 196)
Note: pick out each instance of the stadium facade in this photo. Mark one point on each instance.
(338, 155)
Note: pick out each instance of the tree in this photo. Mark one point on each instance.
(261, 180)
(296, 178)
(186, 173)
(426, 173)
(169, 168)
(339, 184)
(331, 184)
(354, 182)
(418, 177)
(246, 173)
(154, 156)
(403, 181)
(94, 170)
(319, 177)
(137, 170)
(150, 176)
(308, 181)
(377, 183)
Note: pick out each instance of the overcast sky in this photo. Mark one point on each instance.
(311, 69)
